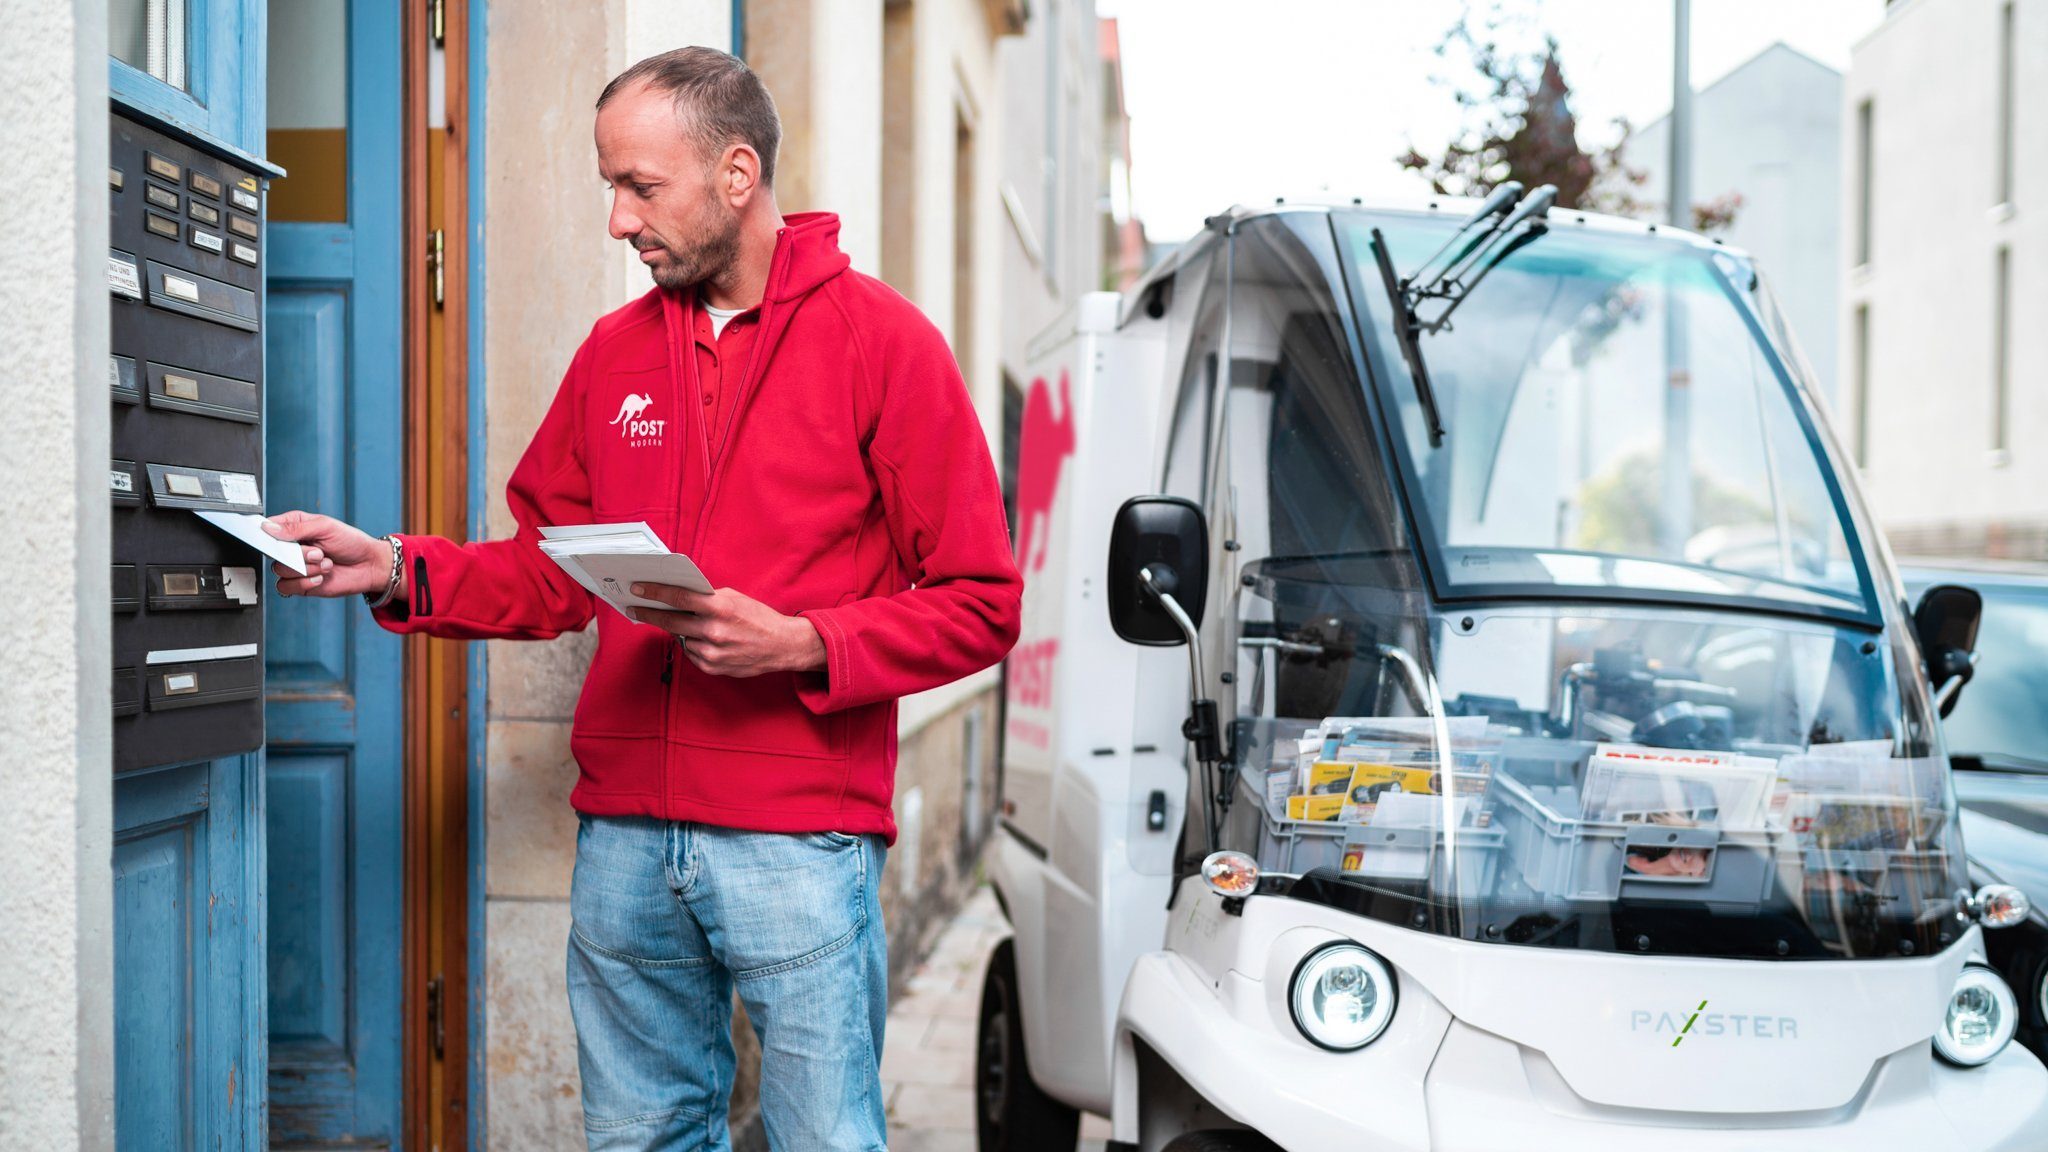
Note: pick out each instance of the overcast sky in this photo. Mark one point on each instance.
(1243, 100)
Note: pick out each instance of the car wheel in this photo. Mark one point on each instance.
(1011, 1114)
(1221, 1141)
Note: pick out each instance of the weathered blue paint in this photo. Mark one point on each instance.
(187, 972)
(335, 771)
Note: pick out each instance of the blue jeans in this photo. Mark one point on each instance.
(668, 919)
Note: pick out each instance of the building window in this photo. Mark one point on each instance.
(1861, 368)
(1864, 139)
(2001, 352)
(150, 35)
(2006, 110)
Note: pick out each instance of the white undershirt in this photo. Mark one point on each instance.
(718, 318)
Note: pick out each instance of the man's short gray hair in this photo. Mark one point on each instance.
(718, 98)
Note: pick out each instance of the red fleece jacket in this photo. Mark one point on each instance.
(847, 479)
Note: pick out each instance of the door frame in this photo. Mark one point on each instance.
(442, 678)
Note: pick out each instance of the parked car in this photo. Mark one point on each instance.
(1998, 745)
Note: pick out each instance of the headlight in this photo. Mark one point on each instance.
(1982, 1015)
(1342, 997)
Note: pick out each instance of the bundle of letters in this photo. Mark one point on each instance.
(1384, 772)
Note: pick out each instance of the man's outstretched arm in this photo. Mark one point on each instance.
(488, 590)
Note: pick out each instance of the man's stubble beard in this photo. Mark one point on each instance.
(707, 256)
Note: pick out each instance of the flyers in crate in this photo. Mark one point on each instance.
(1315, 807)
(1370, 781)
(1322, 796)
(1846, 823)
(1628, 783)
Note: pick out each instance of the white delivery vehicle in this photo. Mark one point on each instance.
(1464, 703)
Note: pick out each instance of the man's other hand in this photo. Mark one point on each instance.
(729, 633)
(341, 560)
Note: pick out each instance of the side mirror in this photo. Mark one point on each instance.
(1163, 538)
(1946, 624)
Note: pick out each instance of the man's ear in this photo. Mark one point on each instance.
(740, 174)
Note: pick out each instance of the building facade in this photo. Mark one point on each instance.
(1944, 273)
(1770, 131)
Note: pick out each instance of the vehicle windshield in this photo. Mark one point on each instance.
(1615, 420)
(1738, 775)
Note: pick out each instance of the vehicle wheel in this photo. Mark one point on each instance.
(1010, 1113)
(1223, 1140)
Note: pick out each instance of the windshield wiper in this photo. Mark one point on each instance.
(1510, 220)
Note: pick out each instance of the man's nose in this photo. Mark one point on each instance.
(624, 224)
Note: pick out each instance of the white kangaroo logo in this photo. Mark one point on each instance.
(630, 409)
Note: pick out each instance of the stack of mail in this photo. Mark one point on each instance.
(609, 559)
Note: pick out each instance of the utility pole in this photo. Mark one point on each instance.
(1675, 521)
(1678, 210)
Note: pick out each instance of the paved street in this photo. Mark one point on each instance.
(928, 1057)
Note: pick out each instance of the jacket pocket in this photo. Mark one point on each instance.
(754, 714)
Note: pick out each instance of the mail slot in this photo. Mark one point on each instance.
(176, 486)
(186, 587)
(203, 393)
(174, 682)
(184, 291)
(185, 384)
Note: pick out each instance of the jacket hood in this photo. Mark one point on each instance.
(806, 255)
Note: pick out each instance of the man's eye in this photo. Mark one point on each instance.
(641, 190)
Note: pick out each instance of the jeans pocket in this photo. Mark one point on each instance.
(831, 841)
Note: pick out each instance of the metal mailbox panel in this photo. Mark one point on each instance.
(185, 383)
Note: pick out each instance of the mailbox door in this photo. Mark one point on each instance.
(334, 444)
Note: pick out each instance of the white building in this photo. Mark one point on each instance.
(1945, 274)
(1770, 131)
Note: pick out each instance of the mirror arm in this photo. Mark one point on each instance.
(1201, 729)
(1180, 618)
(1945, 693)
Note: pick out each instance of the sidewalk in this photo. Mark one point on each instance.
(928, 1054)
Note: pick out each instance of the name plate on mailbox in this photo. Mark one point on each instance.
(183, 587)
(201, 296)
(203, 394)
(194, 677)
(124, 481)
(176, 486)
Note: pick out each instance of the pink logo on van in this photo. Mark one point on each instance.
(1046, 443)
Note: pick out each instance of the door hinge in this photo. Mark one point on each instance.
(437, 264)
(437, 22)
(435, 1030)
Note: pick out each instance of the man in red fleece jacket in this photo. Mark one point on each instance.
(803, 433)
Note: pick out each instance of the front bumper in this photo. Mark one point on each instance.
(1434, 1083)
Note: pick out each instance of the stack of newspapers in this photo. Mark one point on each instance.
(609, 559)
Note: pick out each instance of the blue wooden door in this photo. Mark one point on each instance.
(186, 957)
(334, 445)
